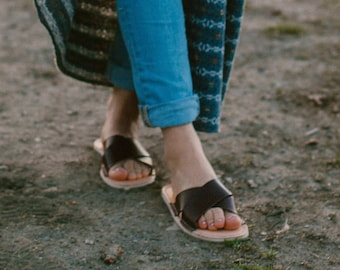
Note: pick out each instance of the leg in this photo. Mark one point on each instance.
(154, 34)
(122, 114)
(122, 119)
(190, 168)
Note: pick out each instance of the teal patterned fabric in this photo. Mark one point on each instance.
(213, 28)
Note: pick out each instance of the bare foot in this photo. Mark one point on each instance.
(189, 168)
(122, 118)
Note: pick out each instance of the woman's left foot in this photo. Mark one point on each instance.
(190, 168)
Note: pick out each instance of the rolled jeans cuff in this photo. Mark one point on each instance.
(173, 113)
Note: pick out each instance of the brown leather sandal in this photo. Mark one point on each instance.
(118, 149)
(191, 204)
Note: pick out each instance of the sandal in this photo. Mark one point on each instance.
(118, 148)
(191, 204)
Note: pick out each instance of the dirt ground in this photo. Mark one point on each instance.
(279, 152)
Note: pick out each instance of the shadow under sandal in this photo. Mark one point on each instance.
(191, 204)
(117, 149)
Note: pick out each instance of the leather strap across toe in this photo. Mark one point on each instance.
(189, 205)
(118, 148)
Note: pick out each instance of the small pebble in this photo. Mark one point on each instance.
(50, 190)
(229, 180)
(4, 168)
(312, 141)
(251, 183)
(112, 255)
(89, 242)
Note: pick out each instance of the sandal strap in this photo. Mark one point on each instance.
(118, 148)
(192, 203)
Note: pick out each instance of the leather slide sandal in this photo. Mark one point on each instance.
(191, 204)
(117, 149)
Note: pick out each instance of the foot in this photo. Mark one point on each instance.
(190, 168)
(122, 117)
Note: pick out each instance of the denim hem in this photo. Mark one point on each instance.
(173, 113)
(119, 76)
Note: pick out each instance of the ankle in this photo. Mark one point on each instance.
(185, 158)
(175, 138)
(123, 104)
(122, 115)
(123, 128)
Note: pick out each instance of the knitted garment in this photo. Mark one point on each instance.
(82, 32)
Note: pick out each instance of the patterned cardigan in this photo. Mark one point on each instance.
(82, 32)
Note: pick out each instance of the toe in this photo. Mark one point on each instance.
(219, 217)
(139, 176)
(215, 219)
(209, 217)
(135, 170)
(232, 221)
(132, 176)
(145, 173)
(119, 174)
(202, 223)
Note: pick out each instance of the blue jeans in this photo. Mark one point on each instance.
(150, 56)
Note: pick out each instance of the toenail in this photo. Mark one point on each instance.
(219, 220)
(230, 217)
